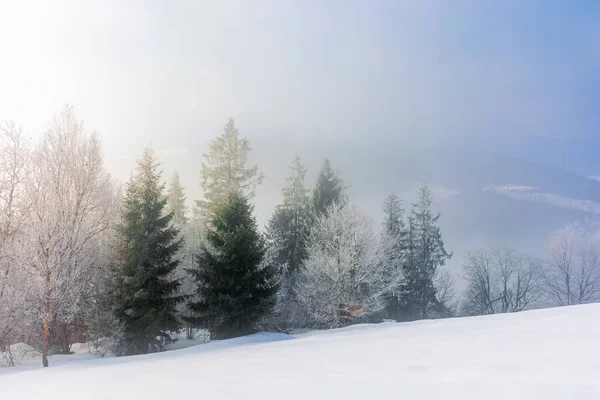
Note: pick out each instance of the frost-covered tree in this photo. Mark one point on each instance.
(499, 281)
(176, 201)
(17, 314)
(329, 190)
(424, 254)
(286, 235)
(285, 310)
(15, 153)
(571, 273)
(144, 290)
(344, 278)
(72, 203)
(235, 289)
(225, 170)
(15, 168)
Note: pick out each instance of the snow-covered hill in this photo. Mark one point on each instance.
(545, 354)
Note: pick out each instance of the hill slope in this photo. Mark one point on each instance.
(546, 354)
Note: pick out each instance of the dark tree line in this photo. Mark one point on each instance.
(240, 280)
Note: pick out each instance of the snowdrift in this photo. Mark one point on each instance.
(544, 354)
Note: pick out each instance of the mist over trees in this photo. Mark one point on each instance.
(329, 190)
(224, 169)
(176, 201)
(130, 272)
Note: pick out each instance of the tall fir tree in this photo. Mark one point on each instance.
(425, 253)
(191, 234)
(144, 293)
(176, 201)
(225, 170)
(286, 235)
(235, 289)
(394, 235)
(290, 219)
(329, 189)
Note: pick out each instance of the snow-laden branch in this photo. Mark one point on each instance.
(345, 275)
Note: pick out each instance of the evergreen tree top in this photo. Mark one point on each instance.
(147, 170)
(176, 200)
(295, 193)
(393, 214)
(234, 212)
(424, 202)
(329, 189)
(224, 169)
(288, 226)
(424, 223)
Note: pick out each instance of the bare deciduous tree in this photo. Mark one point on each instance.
(14, 158)
(500, 281)
(572, 269)
(444, 283)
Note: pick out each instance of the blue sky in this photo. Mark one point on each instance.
(520, 77)
(560, 37)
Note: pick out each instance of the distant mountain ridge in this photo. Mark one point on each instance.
(485, 199)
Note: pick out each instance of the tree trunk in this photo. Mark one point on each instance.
(46, 323)
(46, 339)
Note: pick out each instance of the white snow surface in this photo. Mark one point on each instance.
(544, 354)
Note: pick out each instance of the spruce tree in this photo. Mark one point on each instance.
(191, 233)
(394, 235)
(329, 189)
(287, 231)
(225, 170)
(290, 219)
(145, 294)
(393, 215)
(176, 201)
(425, 253)
(235, 289)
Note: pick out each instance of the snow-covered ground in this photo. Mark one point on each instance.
(546, 354)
